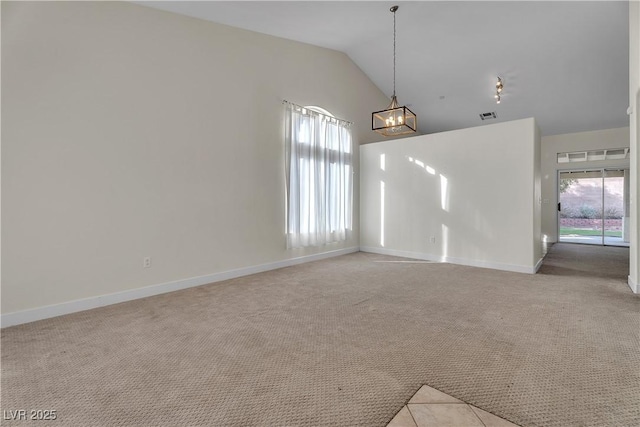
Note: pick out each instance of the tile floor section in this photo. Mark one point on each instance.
(432, 408)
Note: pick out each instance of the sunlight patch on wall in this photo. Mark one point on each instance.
(382, 213)
(421, 164)
(444, 193)
(445, 243)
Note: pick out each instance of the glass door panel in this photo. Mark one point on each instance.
(580, 208)
(616, 207)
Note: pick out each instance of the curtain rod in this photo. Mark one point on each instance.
(284, 101)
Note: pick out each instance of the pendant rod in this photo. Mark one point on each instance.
(393, 9)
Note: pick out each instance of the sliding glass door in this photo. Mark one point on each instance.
(580, 207)
(616, 207)
(593, 206)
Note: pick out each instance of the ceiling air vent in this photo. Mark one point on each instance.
(488, 116)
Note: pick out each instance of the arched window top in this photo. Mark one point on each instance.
(325, 114)
(319, 110)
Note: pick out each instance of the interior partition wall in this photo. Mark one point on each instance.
(594, 206)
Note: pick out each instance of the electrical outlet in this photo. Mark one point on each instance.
(432, 239)
(146, 262)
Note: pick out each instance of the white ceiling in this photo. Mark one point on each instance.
(564, 63)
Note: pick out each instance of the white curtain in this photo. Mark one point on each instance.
(319, 177)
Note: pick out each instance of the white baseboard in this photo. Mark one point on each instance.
(404, 254)
(633, 285)
(46, 312)
(453, 260)
(538, 265)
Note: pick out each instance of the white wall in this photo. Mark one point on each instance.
(473, 190)
(634, 138)
(132, 132)
(567, 143)
(538, 247)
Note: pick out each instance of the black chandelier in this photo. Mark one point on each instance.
(394, 120)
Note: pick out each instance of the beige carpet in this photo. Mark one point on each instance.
(345, 341)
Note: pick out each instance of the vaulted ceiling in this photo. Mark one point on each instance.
(564, 63)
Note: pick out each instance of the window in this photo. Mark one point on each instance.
(319, 177)
(588, 156)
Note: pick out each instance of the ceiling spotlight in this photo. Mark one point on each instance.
(499, 87)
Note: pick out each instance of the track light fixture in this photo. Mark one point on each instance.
(499, 87)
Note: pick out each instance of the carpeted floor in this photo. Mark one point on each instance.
(345, 341)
